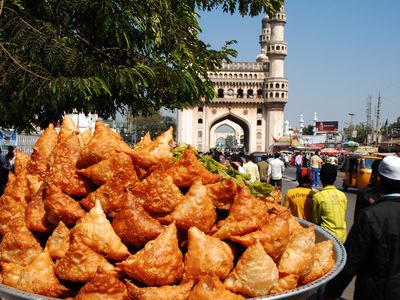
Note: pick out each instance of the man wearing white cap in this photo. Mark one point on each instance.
(373, 244)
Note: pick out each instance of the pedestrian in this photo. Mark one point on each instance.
(298, 162)
(263, 168)
(369, 194)
(237, 164)
(275, 171)
(10, 158)
(299, 199)
(329, 205)
(373, 244)
(3, 172)
(251, 168)
(316, 164)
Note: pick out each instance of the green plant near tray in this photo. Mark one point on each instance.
(257, 188)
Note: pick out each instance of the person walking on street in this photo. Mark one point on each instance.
(298, 162)
(251, 168)
(263, 168)
(275, 171)
(373, 244)
(329, 205)
(369, 194)
(316, 164)
(299, 199)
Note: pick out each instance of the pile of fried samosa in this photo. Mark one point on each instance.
(88, 217)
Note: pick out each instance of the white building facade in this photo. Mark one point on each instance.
(251, 95)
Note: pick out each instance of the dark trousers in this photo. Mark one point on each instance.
(298, 171)
(277, 183)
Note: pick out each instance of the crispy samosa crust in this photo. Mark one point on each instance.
(103, 286)
(211, 288)
(206, 255)
(166, 292)
(188, 168)
(94, 230)
(157, 193)
(246, 214)
(196, 210)
(80, 263)
(156, 152)
(160, 262)
(255, 273)
(135, 226)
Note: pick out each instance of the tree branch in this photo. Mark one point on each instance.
(21, 66)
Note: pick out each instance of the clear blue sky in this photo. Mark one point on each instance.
(339, 53)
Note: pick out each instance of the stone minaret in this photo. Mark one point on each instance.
(276, 92)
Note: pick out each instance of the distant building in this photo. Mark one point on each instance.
(251, 95)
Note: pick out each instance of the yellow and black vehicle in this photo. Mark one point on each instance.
(357, 170)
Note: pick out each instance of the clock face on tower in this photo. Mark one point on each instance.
(230, 92)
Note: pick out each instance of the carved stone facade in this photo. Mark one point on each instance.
(251, 97)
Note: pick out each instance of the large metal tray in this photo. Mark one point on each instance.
(303, 292)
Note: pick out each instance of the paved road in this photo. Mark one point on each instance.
(289, 182)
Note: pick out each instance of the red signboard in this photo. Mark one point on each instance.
(327, 126)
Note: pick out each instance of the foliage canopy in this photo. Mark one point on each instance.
(104, 56)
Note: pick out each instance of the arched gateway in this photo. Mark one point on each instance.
(251, 97)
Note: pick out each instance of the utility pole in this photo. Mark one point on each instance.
(368, 125)
(378, 117)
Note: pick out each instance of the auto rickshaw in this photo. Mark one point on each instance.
(357, 170)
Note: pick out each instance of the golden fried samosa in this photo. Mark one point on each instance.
(67, 127)
(211, 288)
(61, 207)
(294, 225)
(116, 166)
(298, 256)
(246, 214)
(63, 171)
(10, 209)
(157, 193)
(156, 152)
(112, 196)
(94, 230)
(255, 273)
(160, 262)
(188, 168)
(206, 255)
(196, 209)
(135, 226)
(19, 246)
(11, 273)
(80, 263)
(103, 286)
(35, 214)
(102, 145)
(21, 161)
(144, 141)
(165, 292)
(285, 283)
(18, 188)
(40, 163)
(58, 243)
(274, 236)
(222, 193)
(323, 262)
(39, 278)
(84, 137)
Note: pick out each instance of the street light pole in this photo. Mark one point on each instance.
(351, 125)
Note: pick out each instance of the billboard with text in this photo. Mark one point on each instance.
(327, 126)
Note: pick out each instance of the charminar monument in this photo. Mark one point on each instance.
(251, 97)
